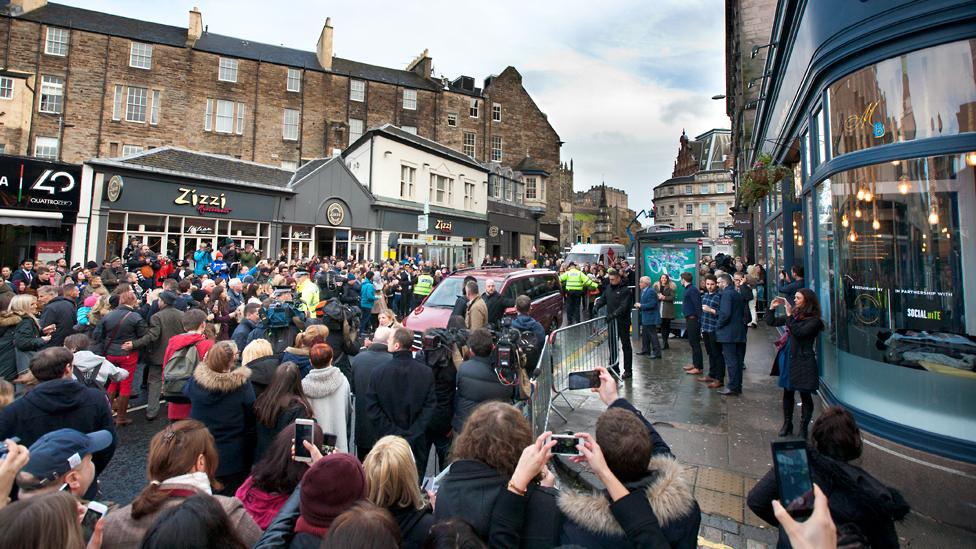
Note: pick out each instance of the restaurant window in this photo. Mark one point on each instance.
(921, 94)
(821, 137)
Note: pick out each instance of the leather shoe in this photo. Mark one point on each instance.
(728, 392)
(715, 384)
(689, 367)
(706, 379)
(642, 353)
(694, 372)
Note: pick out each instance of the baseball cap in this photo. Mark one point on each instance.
(58, 452)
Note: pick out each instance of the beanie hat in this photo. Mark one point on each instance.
(91, 300)
(329, 487)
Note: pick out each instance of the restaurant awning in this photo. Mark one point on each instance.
(547, 236)
(29, 218)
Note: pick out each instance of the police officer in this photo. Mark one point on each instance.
(422, 289)
(575, 283)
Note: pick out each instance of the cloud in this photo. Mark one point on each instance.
(618, 79)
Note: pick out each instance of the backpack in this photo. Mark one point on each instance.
(88, 378)
(277, 316)
(178, 369)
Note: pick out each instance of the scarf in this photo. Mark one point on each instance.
(783, 339)
(198, 480)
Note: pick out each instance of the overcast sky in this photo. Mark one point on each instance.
(619, 79)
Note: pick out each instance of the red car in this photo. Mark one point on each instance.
(541, 285)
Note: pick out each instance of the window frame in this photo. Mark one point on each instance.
(469, 197)
(224, 64)
(56, 147)
(496, 139)
(357, 88)
(450, 116)
(689, 189)
(410, 183)
(689, 209)
(412, 101)
(208, 121)
(130, 106)
(294, 75)
(286, 124)
(496, 112)
(704, 208)
(229, 118)
(9, 80)
(154, 107)
(51, 86)
(133, 55)
(409, 129)
(65, 44)
(131, 152)
(239, 117)
(473, 145)
(473, 108)
(532, 184)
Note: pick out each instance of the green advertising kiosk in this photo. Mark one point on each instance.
(671, 253)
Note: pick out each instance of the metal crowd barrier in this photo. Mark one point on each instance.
(577, 348)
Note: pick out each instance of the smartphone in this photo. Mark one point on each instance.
(565, 445)
(329, 443)
(3, 447)
(94, 512)
(791, 461)
(430, 485)
(584, 380)
(304, 430)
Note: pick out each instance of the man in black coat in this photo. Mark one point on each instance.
(691, 308)
(400, 399)
(407, 279)
(375, 356)
(496, 303)
(619, 299)
(26, 275)
(59, 311)
(731, 333)
(477, 381)
(461, 303)
(57, 402)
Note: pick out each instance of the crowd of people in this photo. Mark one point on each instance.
(243, 352)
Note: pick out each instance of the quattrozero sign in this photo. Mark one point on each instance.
(39, 185)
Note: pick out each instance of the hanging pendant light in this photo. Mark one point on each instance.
(844, 222)
(971, 158)
(860, 194)
(934, 217)
(852, 237)
(904, 184)
(857, 212)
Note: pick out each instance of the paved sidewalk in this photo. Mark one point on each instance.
(724, 442)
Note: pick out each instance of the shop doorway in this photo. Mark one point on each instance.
(18, 242)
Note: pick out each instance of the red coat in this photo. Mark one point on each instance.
(181, 410)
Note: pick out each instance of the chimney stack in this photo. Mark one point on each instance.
(422, 65)
(20, 7)
(195, 29)
(323, 50)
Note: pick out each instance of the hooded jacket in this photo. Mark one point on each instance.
(262, 372)
(8, 358)
(855, 497)
(590, 521)
(57, 404)
(298, 355)
(261, 505)
(61, 312)
(363, 365)
(327, 391)
(87, 360)
(224, 402)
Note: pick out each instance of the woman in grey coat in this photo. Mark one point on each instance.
(665, 294)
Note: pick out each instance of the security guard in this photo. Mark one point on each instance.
(575, 283)
(423, 287)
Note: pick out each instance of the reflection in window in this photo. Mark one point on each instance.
(906, 263)
(925, 93)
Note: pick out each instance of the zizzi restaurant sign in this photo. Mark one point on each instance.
(29, 184)
(202, 202)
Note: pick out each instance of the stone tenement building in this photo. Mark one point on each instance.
(587, 207)
(84, 84)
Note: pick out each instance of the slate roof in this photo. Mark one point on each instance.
(396, 134)
(205, 166)
(145, 31)
(528, 165)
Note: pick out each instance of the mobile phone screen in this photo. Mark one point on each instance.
(88, 523)
(303, 431)
(566, 445)
(793, 474)
(584, 380)
(329, 442)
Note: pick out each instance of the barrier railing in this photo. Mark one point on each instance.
(577, 348)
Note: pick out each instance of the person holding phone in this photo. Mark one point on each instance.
(61, 460)
(796, 360)
(856, 499)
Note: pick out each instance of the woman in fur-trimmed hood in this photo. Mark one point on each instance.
(628, 442)
(222, 398)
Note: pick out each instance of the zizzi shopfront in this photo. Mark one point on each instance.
(175, 215)
(447, 240)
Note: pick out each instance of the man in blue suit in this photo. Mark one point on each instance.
(731, 333)
(650, 318)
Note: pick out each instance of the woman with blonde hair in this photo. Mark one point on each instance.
(388, 319)
(304, 341)
(183, 461)
(99, 310)
(391, 483)
(221, 397)
(50, 520)
(28, 337)
(259, 357)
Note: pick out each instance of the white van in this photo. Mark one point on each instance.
(596, 253)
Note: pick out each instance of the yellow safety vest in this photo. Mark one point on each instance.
(573, 280)
(425, 283)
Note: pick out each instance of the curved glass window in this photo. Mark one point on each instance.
(897, 272)
(925, 93)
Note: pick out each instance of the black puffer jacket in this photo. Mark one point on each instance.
(8, 358)
(803, 370)
(477, 382)
(855, 497)
(120, 325)
(61, 312)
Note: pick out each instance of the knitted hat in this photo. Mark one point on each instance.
(330, 487)
(91, 300)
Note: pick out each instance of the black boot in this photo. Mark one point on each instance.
(787, 428)
(805, 421)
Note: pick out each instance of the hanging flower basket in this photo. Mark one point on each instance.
(760, 180)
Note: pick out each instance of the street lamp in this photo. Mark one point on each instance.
(718, 96)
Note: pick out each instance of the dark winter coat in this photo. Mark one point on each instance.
(803, 370)
(163, 326)
(732, 310)
(477, 382)
(57, 404)
(342, 350)
(61, 312)
(855, 497)
(414, 525)
(245, 332)
(400, 399)
(496, 303)
(363, 364)
(8, 357)
(130, 324)
(262, 371)
(470, 490)
(441, 363)
(266, 435)
(619, 301)
(299, 356)
(224, 402)
(590, 521)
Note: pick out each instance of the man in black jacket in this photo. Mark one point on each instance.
(691, 308)
(496, 303)
(26, 275)
(619, 299)
(165, 324)
(461, 303)
(375, 356)
(406, 290)
(59, 311)
(57, 402)
(477, 381)
(400, 399)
